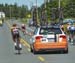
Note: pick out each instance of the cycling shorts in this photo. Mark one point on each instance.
(15, 33)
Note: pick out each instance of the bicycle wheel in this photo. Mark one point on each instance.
(18, 47)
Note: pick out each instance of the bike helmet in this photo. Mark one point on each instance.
(23, 24)
(14, 24)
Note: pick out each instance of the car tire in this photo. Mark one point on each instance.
(66, 51)
(35, 52)
(31, 49)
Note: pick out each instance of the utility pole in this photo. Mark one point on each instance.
(37, 13)
(59, 4)
(45, 6)
(44, 14)
(10, 11)
(59, 9)
(60, 12)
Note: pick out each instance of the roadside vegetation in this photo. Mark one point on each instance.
(52, 11)
(67, 6)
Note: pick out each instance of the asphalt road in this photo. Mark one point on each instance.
(8, 54)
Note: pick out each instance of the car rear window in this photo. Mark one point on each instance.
(50, 31)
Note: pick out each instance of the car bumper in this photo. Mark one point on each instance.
(50, 47)
(53, 49)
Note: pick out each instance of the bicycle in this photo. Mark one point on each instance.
(17, 47)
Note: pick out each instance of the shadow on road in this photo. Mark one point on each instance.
(53, 52)
(17, 53)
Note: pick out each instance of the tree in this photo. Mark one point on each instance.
(14, 10)
(67, 6)
(34, 18)
(69, 10)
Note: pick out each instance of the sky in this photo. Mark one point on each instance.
(22, 2)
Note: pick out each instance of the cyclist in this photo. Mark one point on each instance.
(23, 28)
(71, 29)
(15, 32)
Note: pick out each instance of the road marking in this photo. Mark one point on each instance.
(41, 58)
(28, 49)
(25, 42)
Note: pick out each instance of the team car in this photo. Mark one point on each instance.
(48, 38)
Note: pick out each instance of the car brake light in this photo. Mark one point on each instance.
(63, 36)
(38, 37)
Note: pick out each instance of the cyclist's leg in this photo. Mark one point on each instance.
(71, 37)
(74, 36)
(19, 42)
(24, 31)
(14, 39)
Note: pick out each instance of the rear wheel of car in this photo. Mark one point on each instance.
(66, 51)
(34, 51)
(31, 48)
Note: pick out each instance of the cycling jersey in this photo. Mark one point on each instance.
(23, 27)
(15, 31)
(72, 28)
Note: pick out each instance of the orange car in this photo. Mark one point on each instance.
(50, 38)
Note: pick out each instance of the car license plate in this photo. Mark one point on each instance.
(50, 39)
(44, 40)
